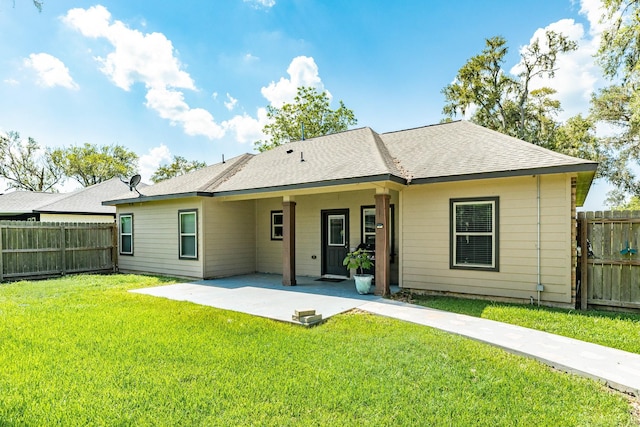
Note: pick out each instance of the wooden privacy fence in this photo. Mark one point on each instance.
(609, 264)
(40, 249)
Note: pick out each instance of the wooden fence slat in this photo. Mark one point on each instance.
(34, 249)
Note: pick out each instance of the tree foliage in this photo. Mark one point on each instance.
(25, 166)
(179, 166)
(311, 110)
(504, 102)
(618, 105)
(91, 164)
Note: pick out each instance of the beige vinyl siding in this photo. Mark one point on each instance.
(308, 229)
(425, 238)
(229, 238)
(269, 252)
(155, 239)
(77, 218)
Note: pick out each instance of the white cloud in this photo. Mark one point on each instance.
(231, 102)
(149, 163)
(302, 71)
(148, 59)
(261, 3)
(170, 105)
(50, 70)
(247, 128)
(11, 82)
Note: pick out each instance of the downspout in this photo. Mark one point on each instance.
(539, 284)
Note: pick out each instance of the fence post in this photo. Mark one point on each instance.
(584, 258)
(114, 246)
(63, 250)
(1, 255)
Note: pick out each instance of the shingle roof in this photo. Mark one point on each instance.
(198, 182)
(451, 151)
(17, 202)
(352, 154)
(86, 200)
(460, 149)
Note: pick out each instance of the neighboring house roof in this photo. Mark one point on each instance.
(85, 201)
(19, 202)
(445, 152)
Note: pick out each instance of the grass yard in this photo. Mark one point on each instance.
(611, 329)
(83, 351)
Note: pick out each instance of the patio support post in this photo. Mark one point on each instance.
(289, 243)
(383, 261)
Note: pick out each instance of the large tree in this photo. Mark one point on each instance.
(504, 102)
(25, 166)
(618, 105)
(310, 111)
(179, 166)
(90, 164)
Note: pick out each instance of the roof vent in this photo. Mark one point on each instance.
(301, 156)
(289, 151)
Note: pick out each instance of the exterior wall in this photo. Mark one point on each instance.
(76, 218)
(229, 238)
(426, 228)
(155, 238)
(308, 229)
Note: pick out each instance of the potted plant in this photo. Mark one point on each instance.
(360, 260)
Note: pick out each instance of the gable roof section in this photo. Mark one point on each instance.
(87, 200)
(463, 150)
(18, 202)
(200, 182)
(357, 155)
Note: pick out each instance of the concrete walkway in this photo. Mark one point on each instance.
(263, 295)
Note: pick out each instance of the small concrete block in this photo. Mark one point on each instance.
(311, 319)
(306, 312)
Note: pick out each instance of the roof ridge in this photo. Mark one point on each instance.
(391, 163)
(239, 162)
(426, 126)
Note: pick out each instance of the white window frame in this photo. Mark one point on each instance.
(182, 234)
(494, 203)
(275, 226)
(342, 218)
(123, 234)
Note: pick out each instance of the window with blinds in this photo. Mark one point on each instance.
(474, 233)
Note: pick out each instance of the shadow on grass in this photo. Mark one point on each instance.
(476, 308)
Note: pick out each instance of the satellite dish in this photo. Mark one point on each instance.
(134, 181)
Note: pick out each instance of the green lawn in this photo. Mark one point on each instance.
(611, 329)
(83, 351)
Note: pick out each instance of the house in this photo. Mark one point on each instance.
(451, 208)
(83, 205)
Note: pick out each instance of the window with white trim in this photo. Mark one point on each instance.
(126, 234)
(188, 223)
(474, 233)
(277, 225)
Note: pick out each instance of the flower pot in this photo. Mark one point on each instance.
(363, 283)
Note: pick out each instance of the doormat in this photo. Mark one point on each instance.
(329, 279)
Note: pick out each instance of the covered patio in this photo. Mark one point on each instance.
(263, 295)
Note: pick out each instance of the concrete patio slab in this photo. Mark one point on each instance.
(264, 295)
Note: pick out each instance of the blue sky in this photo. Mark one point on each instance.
(193, 78)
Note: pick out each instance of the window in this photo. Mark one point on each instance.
(188, 234)
(474, 233)
(369, 226)
(336, 230)
(368, 232)
(126, 234)
(277, 225)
